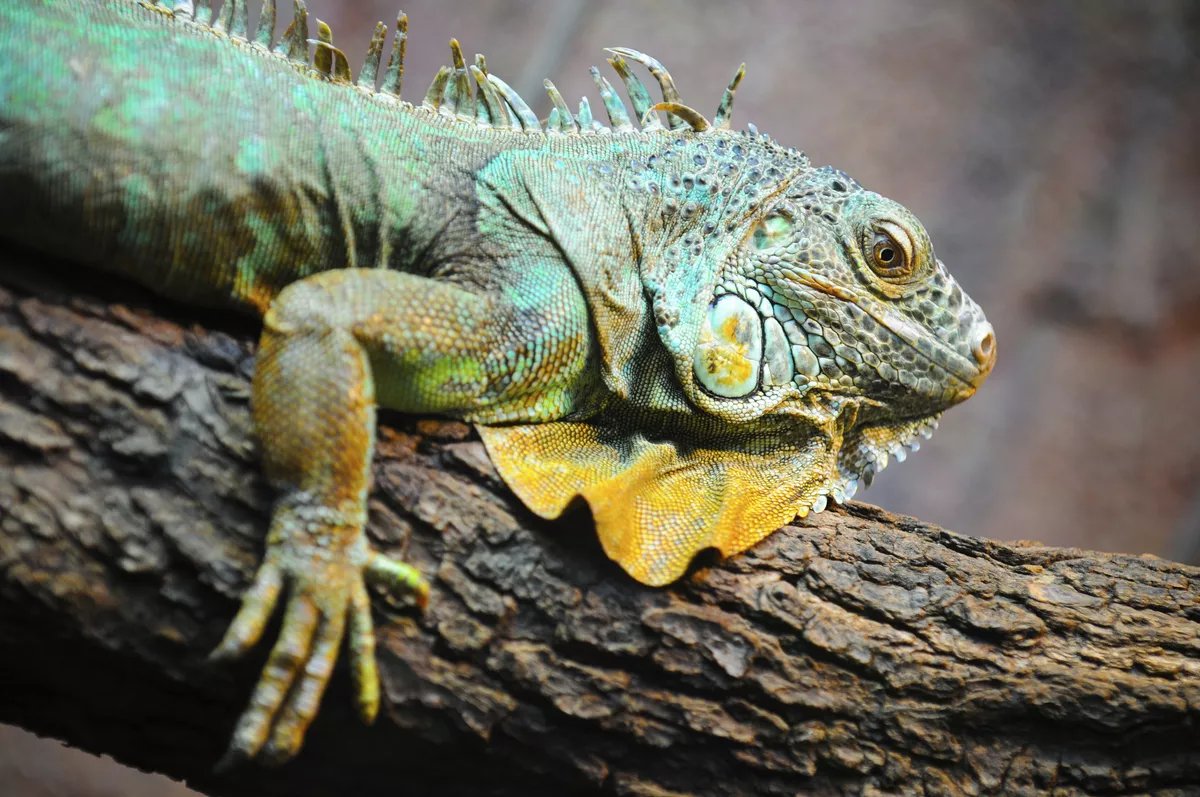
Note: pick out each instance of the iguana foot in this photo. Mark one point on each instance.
(325, 564)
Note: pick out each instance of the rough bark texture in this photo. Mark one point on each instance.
(859, 653)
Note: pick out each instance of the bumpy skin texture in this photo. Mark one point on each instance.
(691, 328)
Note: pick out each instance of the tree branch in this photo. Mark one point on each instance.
(855, 653)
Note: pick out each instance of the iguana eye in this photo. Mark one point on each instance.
(889, 250)
(887, 254)
(771, 230)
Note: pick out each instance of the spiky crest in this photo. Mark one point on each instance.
(493, 105)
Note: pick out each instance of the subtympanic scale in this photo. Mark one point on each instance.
(729, 354)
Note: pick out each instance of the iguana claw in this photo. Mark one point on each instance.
(327, 597)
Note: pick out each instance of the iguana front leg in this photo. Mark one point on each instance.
(331, 346)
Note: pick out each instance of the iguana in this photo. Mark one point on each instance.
(693, 329)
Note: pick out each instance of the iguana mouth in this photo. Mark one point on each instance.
(927, 347)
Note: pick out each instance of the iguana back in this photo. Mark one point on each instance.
(211, 169)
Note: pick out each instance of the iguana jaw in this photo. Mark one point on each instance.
(970, 374)
(731, 364)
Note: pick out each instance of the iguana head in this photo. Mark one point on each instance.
(835, 293)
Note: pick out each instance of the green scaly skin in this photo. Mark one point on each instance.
(690, 327)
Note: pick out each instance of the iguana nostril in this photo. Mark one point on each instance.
(983, 346)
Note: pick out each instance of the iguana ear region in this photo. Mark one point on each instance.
(658, 502)
(729, 352)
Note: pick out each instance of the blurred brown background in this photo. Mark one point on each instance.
(1052, 149)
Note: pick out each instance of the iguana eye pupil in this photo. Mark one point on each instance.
(887, 257)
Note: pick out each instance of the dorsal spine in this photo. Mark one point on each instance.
(493, 104)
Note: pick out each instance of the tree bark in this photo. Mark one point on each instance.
(853, 653)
